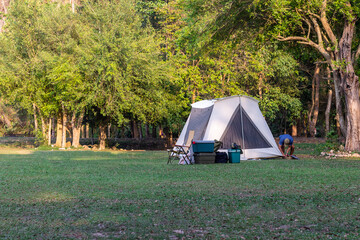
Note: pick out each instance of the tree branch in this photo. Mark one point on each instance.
(306, 41)
(326, 25)
(4, 6)
(318, 31)
(309, 27)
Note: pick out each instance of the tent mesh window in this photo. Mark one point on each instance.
(234, 132)
(199, 118)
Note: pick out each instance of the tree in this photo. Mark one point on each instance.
(122, 62)
(39, 60)
(315, 98)
(307, 23)
(213, 62)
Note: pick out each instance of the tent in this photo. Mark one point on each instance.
(235, 119)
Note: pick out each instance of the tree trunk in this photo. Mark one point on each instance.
(63, 139)
(109, 131)
(3, 8)
(147, 130)
(53, 128)
(350, 86)
(76, 137)
(304, 126)
(294, 131)
(82, 133)
(328, 106)
(43, 128)
(353, 119)
(338, 130)
(76, 123)
(260, 86)
(139, 125)
(49, 131)
(72, 2)
(314, 112)
(87, 135)
(59, 130)
(35, 118)
(193, 96)
(92, 136)
(154, 132)
(102, 136)
(161, 132)
(170, 139)
(135, 129)
(338, 103)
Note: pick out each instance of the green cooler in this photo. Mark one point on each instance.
(234, 155)
(203, 146)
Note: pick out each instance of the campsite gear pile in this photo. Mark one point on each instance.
(232, 119)
(203, 151)
(206, 152)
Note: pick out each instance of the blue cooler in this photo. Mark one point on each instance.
(234, 155)
(203, 146)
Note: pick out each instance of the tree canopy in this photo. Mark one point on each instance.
(145, 61)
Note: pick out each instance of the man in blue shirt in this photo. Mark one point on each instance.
(286, 145)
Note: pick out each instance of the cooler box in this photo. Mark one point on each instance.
(234, 155)
(203, 146)
(204, 158)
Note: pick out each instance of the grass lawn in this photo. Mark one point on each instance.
(133, 195)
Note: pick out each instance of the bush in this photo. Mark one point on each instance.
(332, 143)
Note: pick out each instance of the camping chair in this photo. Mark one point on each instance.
(180, 152)
(174, 154)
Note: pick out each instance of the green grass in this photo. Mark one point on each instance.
(127, 195)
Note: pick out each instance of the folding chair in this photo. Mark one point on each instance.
(174, 154)
(181, 151)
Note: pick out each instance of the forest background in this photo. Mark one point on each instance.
(131, 68)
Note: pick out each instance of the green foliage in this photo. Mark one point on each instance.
(101, 59)
(148, 60)
(332, 142)
(39, 46)
(214, 66)
(39, 138)
(122, 62)
(148, 9)
(274, 102)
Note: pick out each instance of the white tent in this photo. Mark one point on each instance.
(235, 119)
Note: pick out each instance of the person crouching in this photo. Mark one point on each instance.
(286, 145)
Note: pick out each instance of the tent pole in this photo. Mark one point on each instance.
(242, 126)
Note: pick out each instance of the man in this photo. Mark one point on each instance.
(286, 145)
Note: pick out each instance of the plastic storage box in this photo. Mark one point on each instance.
(234, 155)
(202, 146)
(204, 158)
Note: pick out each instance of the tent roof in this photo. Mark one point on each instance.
(203, 103)
(208, 103)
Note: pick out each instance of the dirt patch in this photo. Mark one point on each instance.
(18, 151)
